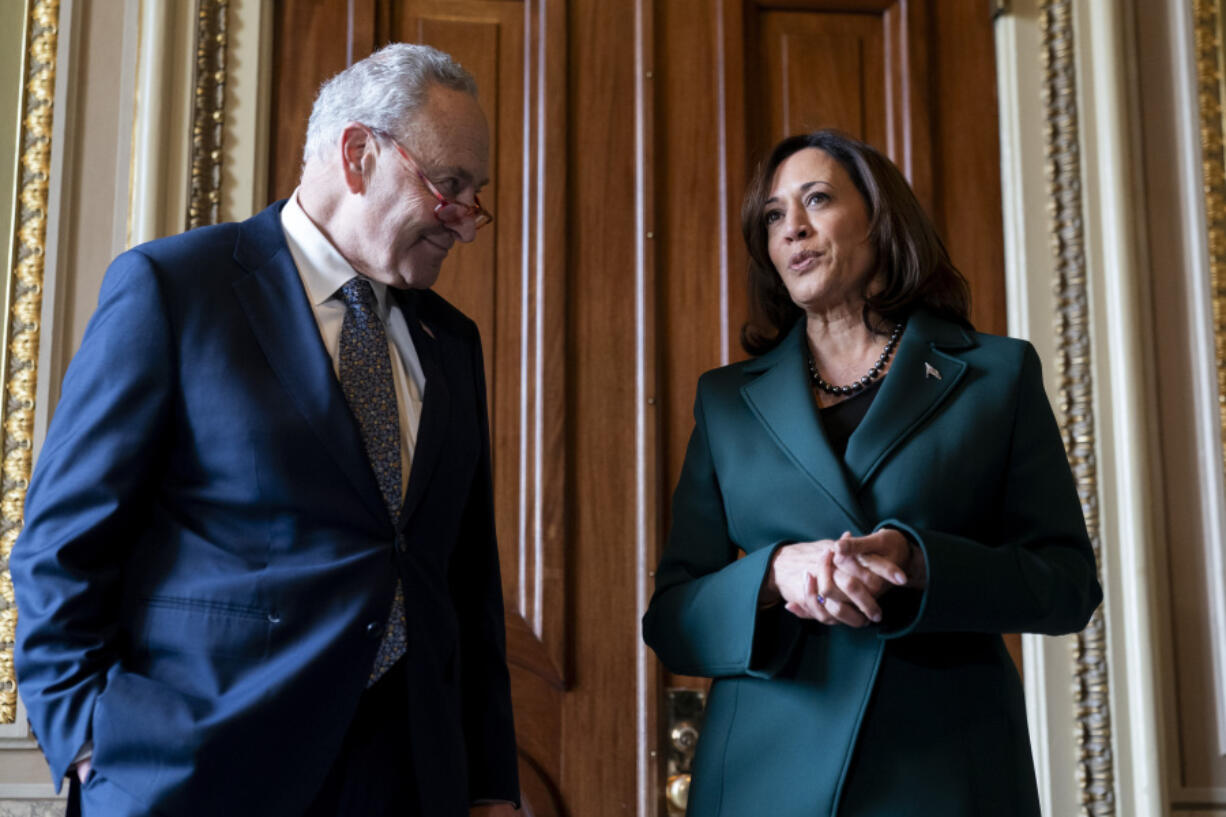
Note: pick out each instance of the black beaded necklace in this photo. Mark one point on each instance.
(859, 385)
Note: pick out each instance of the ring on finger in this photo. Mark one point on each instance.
(821, 599)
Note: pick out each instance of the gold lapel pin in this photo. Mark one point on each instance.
(931, 371)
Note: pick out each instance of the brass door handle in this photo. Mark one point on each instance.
(684, 736)
(686, 708)
(678, 792)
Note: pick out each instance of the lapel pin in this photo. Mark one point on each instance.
(426, 329)
(931, 371)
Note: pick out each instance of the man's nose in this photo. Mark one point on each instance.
(464, 229)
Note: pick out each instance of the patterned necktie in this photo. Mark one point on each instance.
(366, 380)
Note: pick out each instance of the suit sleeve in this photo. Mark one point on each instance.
(705, 618)
(476, 588)
(1040, 575)
(89, 485)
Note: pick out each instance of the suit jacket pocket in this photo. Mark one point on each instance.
(195, 672)
(199, 646)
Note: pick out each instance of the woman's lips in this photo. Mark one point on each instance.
(804, 260)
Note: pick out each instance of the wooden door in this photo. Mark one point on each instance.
(613, 276)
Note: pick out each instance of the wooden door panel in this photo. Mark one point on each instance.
(823, 70)
(502, 283)
(861, 67)
(306, 51)
(485, 278)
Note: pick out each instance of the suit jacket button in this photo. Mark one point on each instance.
(401, 545)
(373, 629)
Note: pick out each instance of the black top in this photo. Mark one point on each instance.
(841, 419)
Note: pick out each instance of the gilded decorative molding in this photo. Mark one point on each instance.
(208, 117)
(1209, 70)
(1091, 691)
(23, 316)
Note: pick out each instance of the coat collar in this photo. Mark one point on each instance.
(284, 324)
(923, 375)
(435, 402)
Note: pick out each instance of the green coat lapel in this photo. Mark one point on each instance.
(921, 377)
(781, 399)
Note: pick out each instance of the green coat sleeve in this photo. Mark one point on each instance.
(705, 618)
(1039, 576)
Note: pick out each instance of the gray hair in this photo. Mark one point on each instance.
(382, 92)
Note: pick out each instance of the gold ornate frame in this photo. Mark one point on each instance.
(1210, 76)
(24, 286)
(1209, 71)
(208, 113)
(22, 317)
(1091, 689)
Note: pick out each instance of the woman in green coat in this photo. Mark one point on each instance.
(899, 490)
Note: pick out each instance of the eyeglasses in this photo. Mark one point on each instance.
(451, 213)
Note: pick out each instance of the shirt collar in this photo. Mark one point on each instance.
(321, 266)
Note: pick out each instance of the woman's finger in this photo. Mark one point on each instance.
(815, 602)
(855, 567)
(797, 609)
(844, 612)
(858, 595)
(832, 598)
(872, 569)
(806, 606)
(883, 567)
(887, 542)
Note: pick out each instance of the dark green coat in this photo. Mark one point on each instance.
(924, 713)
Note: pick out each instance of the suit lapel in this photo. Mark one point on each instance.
(781, 399)
(920, 379)
(435, 406)
(280, 315)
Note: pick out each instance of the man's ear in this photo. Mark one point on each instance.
(357, 155)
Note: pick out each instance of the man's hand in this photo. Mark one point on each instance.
(494, 810)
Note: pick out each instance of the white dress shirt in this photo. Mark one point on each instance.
(324, 271)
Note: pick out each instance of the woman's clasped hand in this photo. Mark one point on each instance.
(839, 581)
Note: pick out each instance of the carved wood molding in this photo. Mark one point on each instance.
(24, 301)
(208, 113)
(1091, 691)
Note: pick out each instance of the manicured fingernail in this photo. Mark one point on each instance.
(900, 578)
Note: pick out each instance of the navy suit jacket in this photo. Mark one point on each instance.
(206, 565)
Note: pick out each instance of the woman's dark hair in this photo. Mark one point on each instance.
(914, 267)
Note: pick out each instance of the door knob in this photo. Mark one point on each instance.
(678, 793)
(685, 713)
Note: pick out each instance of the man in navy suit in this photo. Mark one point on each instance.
(258, 574)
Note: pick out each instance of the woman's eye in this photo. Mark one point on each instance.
(815, 198)
(772, 217)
